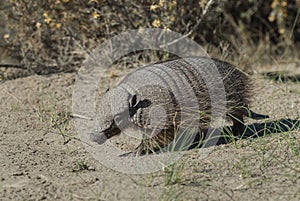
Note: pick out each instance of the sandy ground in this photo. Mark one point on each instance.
(42, 159)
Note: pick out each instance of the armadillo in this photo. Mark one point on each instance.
(163, 98)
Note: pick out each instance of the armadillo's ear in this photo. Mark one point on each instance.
(134, 100)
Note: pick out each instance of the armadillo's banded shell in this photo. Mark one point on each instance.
(187, 87)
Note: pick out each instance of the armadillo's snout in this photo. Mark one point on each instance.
(101, 136)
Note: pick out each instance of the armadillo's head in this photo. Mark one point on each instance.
(115, 109)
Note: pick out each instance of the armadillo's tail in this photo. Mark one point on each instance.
(254, 115)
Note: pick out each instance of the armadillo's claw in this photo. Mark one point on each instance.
(139, 151)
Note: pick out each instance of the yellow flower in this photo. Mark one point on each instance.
(161, 3)
(154, 7)
(156, 23)
(281, 31)
(65, 1)
(38, 25)
(95, 15)
(172, 18)
(6, 36)
(58, 25)
(284, 3)
(274, 4)
(47, 18)
(271, 18)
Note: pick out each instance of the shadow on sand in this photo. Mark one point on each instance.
(282, 77)
(255, 130)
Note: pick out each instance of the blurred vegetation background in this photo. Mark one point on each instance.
(56, 34)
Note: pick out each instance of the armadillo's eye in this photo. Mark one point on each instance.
(134, 100)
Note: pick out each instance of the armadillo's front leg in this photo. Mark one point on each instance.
(145, 148)
(153, 144)
(140, 150)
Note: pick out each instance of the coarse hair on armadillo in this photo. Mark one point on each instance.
(163, 97)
